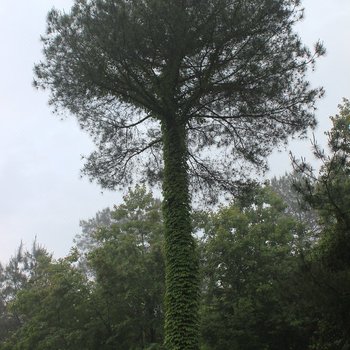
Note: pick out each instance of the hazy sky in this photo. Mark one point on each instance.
(41, 193)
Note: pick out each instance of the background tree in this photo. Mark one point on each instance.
(55, 309)
(259, 290)
(128, 266)
(85, 241)
(116, 302)
(160, 83)
(295, 204)
(327, 192)
(249, 263)
(14, 277)
(299, 209)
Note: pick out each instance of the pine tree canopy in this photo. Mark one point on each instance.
(232, 72)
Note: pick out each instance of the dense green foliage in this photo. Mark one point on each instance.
(296, 205)
(328, 192)
(13, 278)
(128, 268)
(267, 282)
(249, 256)
(107, 297)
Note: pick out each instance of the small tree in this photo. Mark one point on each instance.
(159, 84)
(328, 193)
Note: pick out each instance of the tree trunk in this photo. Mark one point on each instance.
(182, 288)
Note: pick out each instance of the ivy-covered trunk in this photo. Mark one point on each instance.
(182, 291)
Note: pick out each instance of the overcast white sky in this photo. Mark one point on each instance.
(41, 193)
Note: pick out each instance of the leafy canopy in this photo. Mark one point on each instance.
(231, 71)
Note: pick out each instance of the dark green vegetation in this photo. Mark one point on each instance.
(269, 279)
(107, 296)
(159, 84)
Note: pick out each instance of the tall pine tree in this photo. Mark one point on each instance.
(159, 84)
